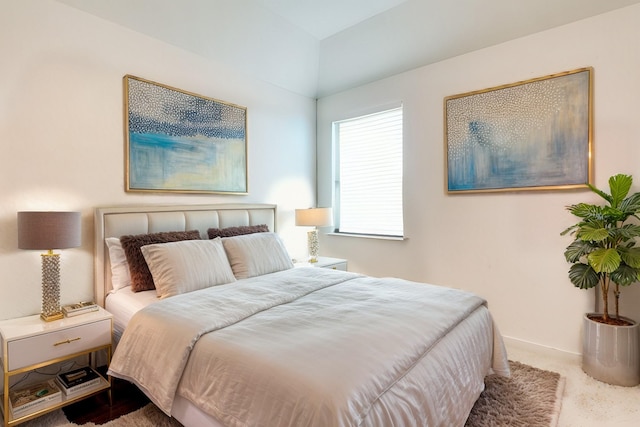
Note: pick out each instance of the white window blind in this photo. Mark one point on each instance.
(369, 179)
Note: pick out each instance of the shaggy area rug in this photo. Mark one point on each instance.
(530, 398)
(148, 416)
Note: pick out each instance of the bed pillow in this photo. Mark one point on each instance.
(187, 266)
(120, 277)
(141, 279)
(237, 231)
(256, 254)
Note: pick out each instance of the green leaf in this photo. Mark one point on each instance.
(630, 256)
(625, 275)
(570, 229)
(583, 276)
(619, 185)
(626, 232)
(592, 232)
(631, 204)
(577, 249)
(613, 215)
(604, 260)
(585, 210)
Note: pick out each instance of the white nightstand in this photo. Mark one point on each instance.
(326, 262)
(29, 343)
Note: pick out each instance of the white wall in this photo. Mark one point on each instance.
(61, 134)
(503, 246)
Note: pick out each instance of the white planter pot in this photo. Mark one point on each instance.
(611, 354)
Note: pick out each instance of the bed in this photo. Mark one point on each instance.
(274, 345)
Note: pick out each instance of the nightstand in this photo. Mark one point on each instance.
(326, 262)
(29, 343)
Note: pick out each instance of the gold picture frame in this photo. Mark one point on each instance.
(180, 142)
(530, 135)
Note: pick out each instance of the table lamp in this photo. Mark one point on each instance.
(49, 231)
(314, 217)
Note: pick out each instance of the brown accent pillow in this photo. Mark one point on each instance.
(141, 279)
(237, 231)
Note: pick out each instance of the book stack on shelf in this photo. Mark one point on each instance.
(34, 398)
(78, 381)
(79, 308)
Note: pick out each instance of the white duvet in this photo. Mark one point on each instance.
(315, 347)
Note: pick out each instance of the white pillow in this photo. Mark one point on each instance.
(188, 265)
(256, 254)
(120, 277)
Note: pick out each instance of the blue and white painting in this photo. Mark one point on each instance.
(178, 141)
(531, 135)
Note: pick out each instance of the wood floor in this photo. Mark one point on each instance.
(125, 396)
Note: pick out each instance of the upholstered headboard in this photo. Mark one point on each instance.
(117, 221)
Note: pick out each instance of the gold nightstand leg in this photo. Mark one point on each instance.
(109, 378)
(5, 399)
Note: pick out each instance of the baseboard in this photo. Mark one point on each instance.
(519, 344)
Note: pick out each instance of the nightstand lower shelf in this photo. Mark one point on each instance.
(66, 400)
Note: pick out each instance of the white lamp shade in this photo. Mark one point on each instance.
(48, 230)
(314, 217)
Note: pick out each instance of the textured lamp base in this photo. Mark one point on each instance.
(312, 242)
(51, 287)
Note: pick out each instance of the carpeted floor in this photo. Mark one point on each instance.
(530, 398)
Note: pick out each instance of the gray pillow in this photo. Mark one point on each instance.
(256, 254)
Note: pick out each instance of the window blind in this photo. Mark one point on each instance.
(369, 184)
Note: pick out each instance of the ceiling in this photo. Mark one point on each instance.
(320, 47)
(325, 18)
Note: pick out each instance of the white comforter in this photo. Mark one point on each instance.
(311, 347)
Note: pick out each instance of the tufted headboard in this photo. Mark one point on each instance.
(117, 221)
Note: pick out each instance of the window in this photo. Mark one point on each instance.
(368, 153)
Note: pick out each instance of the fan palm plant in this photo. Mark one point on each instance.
(604, 250)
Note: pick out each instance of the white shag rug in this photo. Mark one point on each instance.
(148, 416)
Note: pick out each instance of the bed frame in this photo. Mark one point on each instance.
(116, 221)
(122, 220)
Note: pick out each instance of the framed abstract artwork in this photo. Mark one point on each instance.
(531, 135)
(177, 141)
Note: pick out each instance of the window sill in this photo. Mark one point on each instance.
(368, 236)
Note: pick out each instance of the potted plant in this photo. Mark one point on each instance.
(604, 254)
